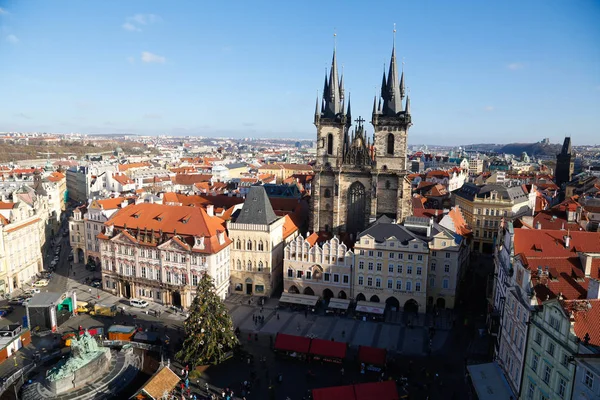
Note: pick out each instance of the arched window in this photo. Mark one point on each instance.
(239, 265)
(327, 207)
(390, 144)
(249, 266)
(261, 247)
(260, 266)
(249, 245)
(238, 245)
(327, 193)
(266, 265)
(330, 144)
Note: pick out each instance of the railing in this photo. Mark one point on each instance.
(13, 378)
(121, 343)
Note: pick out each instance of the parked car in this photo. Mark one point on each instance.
(138, 303)
(17, 301)
(32, 291)
(7, 309)
(41, 283)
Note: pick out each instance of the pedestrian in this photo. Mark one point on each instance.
(278, 316)
(305, 313)
(343, 333)
(248, 360)
(249, 337)
(182, 372)
(342, 371)
(256, 337)
(207, 389)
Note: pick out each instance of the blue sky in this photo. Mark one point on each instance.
(478, 71)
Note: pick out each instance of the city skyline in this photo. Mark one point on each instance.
(149, 69)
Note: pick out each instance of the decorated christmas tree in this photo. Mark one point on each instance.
(208, 329)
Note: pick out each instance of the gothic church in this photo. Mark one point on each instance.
(359, 177)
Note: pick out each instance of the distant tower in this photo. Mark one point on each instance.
(565, 164)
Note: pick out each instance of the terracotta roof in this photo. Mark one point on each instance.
(428, 213)
(187, 222)
(586, 314)
(461, 226)
(551, 243)
(418, 201)
(4, 220)
(163, 381)
(190, 179)
(554, 220)
(290, 225)
(296, 167)
(7, 205)
(123, 179)
(110, 204)
(14, 228)
(266, 177)
(125, 167)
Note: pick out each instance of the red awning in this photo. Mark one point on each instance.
(327, 348)
(298, 344)
(336, 392)
(385, 390)
(372, 355)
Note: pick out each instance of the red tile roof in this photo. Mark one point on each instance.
(586, 314)
(532, 242)
(190, 179)
(6, 205)
(123, 179)
(461, 226)
(187, 222)
(125, 167)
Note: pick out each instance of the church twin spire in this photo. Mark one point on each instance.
(390, 103)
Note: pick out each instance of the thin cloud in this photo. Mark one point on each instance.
(12, 39)
(3, 11)
(515, 66)
(135, 22)
(128, 26)
(148, 57)
(489, 108)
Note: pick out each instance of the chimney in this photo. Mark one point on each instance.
(210, 210)
(567, 239)
(586, 261)
(538, 225)
(124, 203)
(593, 292)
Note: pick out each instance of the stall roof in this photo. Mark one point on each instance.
(327, 348)
(121, 328)
(489, 382)
(340, 304)
(372, 355)
(370, 307)
(335, 392)
(302, 299)
(299, 344)
(46, 299)
(385, 390)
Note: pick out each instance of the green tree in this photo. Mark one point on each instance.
(208, 329)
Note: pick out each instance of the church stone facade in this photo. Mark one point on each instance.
(359, 177)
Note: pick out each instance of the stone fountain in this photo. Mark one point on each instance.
(86, 362)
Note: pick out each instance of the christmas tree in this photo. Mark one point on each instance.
(208, 329)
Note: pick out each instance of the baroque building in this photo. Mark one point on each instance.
(359, 178)
(158, 252)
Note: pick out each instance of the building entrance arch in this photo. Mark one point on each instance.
(361, 297)
(327, 294)
(309, 291)
(440, 303)
(248, 286)
(393, 303)
(293, 289)
(342, 295)
(374, 299)
(411, 306)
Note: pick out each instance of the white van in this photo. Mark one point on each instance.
(138, 303)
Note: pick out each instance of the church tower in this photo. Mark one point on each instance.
(565, 164)
(391, 120)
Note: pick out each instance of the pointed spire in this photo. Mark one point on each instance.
(407, 108)
(332, 96)
(374, 105)
(379, 106)
(342, 84)
(392, 104)
(402, 89)
(349, 112)
(384, 84)
(317, 112)
(325, 85)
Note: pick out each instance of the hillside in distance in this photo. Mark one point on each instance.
(532, 149)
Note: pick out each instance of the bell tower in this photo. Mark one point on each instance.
(391, 119)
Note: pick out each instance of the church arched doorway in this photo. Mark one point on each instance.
(355, 217)
(293, 289)
(309, 291)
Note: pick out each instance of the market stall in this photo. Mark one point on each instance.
(298, 301)
(368, 310)
(329, 351)
(292, 346)
(385, 390)
(335, 392)
(373, 358)
(338, 306)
